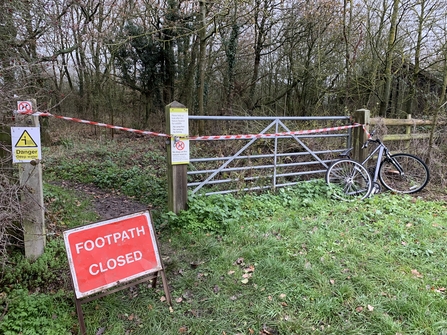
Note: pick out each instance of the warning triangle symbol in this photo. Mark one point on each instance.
(25, 141)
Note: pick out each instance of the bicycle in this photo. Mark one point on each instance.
(400, 173)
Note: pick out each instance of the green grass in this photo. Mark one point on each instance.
(291, 262)
(326, 268)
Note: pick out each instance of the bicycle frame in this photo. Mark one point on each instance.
(381, 151)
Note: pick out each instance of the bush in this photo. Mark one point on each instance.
(35, 314)
(215, 213)
(45, 270)
(11, 210)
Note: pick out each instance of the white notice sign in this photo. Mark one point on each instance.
(26, 144)
(179, 151)
(179, 132)
(179, 121)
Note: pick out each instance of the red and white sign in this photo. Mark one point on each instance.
(109, 253)
(24, 106)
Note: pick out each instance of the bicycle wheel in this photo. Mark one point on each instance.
(349, 180)
(414, 177)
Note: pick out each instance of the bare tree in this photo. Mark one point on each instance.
(389, 58)
(441, 33)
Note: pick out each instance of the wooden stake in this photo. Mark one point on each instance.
(30, 175)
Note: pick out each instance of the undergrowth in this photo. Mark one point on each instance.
(45, 272)
(37, 314)
(293, 261)
(137, 171)
(215, 213)
(36, 296)
(287, 262)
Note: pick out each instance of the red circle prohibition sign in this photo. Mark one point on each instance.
(25, 106)
(180, 145)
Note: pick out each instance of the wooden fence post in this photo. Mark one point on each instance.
(359, 137)
(178, 155)
(408, 133)
(30, 175)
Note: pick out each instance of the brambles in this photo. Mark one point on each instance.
(11, 213)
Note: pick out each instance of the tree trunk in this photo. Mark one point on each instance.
(389, 60)
(347, 26)
(259, 45)
(201, 66)
(441, 104)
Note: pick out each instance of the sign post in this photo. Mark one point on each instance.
(110, 254)
(178, 155)
(26, 152)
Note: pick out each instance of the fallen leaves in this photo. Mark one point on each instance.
(436, 289)
(183, 330)
(240, 261)
(416, 273)
(247, 270)
(268, 331)
(360, 309)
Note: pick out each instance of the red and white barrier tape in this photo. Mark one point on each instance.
(368, 135)
(198, 138)
(136, 131)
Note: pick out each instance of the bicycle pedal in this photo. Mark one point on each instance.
(376, 189)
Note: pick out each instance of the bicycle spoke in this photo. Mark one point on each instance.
(349, 180)
(404, 173)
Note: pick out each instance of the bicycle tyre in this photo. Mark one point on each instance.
(414, 179)
(349, 180)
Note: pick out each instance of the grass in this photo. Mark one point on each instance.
(326, 268)
(291, 262)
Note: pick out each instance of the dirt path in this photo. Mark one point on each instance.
(107, 204)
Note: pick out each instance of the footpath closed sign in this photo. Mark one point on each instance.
(112, 252)
(26, 144)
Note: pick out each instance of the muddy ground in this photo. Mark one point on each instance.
(107, 204)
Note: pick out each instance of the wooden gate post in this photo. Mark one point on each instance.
(178, 155)
(30, 174)
(359, 137)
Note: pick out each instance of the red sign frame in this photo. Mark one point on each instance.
(112, 252)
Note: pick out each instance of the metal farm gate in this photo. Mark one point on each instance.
(277, 152)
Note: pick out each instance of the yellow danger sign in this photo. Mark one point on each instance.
(26, 141)
(27, 144)
(26, 154)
